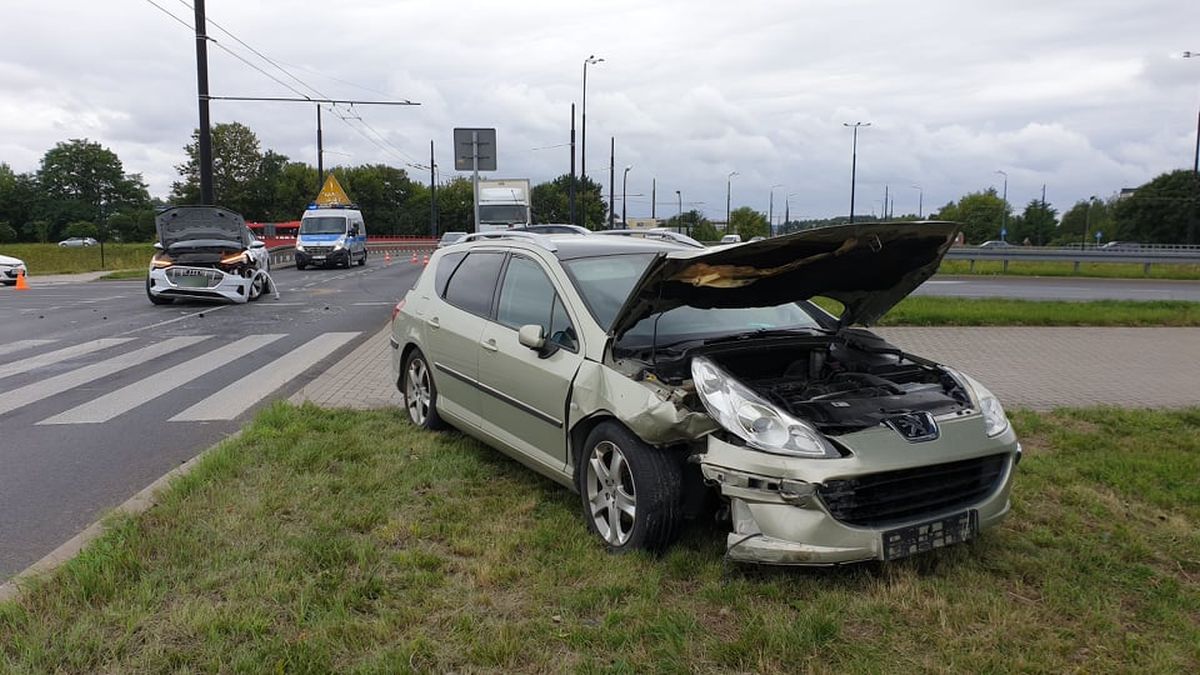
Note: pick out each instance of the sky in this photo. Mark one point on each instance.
(1083, 97)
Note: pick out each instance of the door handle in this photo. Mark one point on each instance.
(490, 345)
(433, 322)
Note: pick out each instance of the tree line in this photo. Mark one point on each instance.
(81, 188)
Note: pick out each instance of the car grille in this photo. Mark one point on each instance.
(318, 250)
(895, 496)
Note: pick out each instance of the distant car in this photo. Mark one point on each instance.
(78, 241)
(1120, 246)
(10, 267)
(450, 238)
(996, 243)
(758, 238)
(731, 239)
(554, 228)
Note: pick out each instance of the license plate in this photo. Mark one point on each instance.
(905, 541)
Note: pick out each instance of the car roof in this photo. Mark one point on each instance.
(570, 246)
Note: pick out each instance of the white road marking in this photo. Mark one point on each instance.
(215, 308)
(58, 355)
(23, 344)
(143, 391)
(372, 304)
(32, 393)
(236, 398)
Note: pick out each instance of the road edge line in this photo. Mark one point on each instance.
(140, 502)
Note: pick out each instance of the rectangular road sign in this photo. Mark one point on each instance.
(464, 150)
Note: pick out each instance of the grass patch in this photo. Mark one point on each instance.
(351, 542)
(1067, 269)
(925, 310)
(121, 275)
(55, 259)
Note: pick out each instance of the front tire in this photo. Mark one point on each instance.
(363, 260)
(156, 299)
(420, 392)
(630, 492)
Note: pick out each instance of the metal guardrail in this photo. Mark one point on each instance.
(1143, 256)
(284, 256)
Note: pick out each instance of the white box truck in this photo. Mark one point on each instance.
(503, 203)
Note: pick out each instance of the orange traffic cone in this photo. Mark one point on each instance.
(23, 285)
(426, 259)
(414, 258)
(387, 257)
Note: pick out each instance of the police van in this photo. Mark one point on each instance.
(332, 232)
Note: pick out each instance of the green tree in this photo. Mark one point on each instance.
(689, 223)
(81, 180)
(981, 215)
(456, 206)
(1038, 223)
(1164, 211)
(1084, 219)
(8, 234)
(39, 231)
(237, 167)
(551, 202)
(705, 231)
(380, 191)
(82, 228)
(133, 226)
(747, 223)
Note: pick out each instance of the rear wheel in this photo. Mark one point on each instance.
(420, 393)
(300, 266)
(631, 493)
(257, 284)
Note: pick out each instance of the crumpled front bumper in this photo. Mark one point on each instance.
(780, 518)
(219, 285)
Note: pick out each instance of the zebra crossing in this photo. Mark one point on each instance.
(126, 373)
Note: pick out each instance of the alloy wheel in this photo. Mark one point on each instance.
(417, 392)
(611, 494)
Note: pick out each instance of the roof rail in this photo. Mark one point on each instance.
(538, 239)
(654, 233)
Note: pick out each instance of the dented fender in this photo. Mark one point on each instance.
(646, 407)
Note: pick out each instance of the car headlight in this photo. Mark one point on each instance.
(161, 260)
(339, 245)
(300, 247)
(994, 419)
(753, 419)
(235, 259)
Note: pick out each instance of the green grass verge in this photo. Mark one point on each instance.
(926, 310)
(1067, 269)
(339, 541)
(122, 275)
(54, 259)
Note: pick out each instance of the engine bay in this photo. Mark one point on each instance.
(841, 382)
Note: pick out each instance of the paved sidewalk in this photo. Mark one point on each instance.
(61, 279)
(1039, 368)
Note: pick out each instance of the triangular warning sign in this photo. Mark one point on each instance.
(332, 194)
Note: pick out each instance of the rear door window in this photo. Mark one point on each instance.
(445, 267)
(473, 285)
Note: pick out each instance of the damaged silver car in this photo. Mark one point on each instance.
(655, 378)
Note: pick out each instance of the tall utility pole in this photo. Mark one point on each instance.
(612, 179)
(885, 202)
(920, 201)
(205, 140)
(590, 60)
(571, 190)
(771, 211)
(854, 161)
(1196, 159)
(1004, 215)
(679, 220)
(728, 191)
(653, 196)
(624, 185)
(432, 192)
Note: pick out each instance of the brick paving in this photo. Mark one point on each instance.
(1040, 368)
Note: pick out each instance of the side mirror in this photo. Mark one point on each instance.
(530, 335)
(257, 243)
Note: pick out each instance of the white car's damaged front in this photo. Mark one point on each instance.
(831, 445)
(10, 269)
(206, 253)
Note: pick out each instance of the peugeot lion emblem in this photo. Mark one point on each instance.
(914, 427)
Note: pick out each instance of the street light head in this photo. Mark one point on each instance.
(629, 167)
(1002, 173)
(733, 173)
(1188, 55)
(776, 185)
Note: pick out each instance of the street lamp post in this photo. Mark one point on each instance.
(1196, 159)
(920, 202)
(771, 211)
(590, 60)
(624, 184)
(679, 219)
(728, 187)
(1004, 214)
(1087, 222)
(787, 207)
(854, 161)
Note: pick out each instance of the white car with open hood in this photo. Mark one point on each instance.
(206, 253)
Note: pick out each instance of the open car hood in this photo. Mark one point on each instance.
(867, 267)
(190, 223)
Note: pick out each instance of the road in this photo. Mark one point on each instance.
(101, 392)
(1060, 288)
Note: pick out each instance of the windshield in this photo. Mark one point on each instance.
(605, 283)
(502, 213)
(323, 225)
